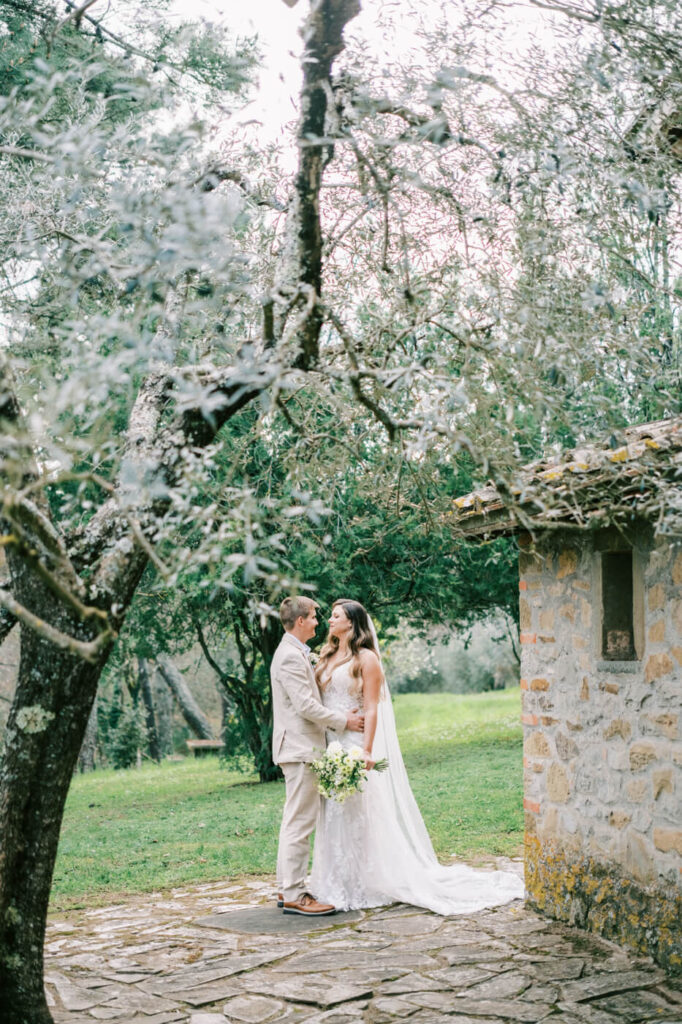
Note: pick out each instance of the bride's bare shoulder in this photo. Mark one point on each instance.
(368, 659)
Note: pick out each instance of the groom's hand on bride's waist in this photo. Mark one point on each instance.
(355, 721)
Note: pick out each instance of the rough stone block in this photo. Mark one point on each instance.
(657, 632)
(580, 643)
(663, 782)
(639, 858)
(618, 727)
(546, 620)
(656, 597)
(568, 611)
(677, 570)
(536, 746)
(668, 840)
(568, 563)
(530, 562)
(642, 818)
(585, 689)
(619, 819)
(677, 654)
(641, 755)
(666, 724)
(658, 665)
(677, 616)
(637, 789)
(566, 748)
(539, 684)
(558, 786)
(525, 616)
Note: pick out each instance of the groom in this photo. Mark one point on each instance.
(300, 720)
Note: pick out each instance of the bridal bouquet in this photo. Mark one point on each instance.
(341, 772)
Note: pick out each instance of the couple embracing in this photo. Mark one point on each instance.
(372, 849)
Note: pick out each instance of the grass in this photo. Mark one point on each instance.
(177, 824)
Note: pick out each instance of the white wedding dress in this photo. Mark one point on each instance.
(374, 848)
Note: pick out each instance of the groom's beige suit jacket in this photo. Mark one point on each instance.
(299, 717)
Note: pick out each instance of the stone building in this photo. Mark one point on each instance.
(600, 578)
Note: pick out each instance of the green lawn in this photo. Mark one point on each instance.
(180, 823)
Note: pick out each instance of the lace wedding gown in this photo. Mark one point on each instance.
(374, 848)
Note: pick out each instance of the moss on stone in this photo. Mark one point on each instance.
(598, 896)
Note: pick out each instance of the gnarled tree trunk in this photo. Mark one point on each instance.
(68, 625)
(88, 756)
(191, 712)
(150, 711)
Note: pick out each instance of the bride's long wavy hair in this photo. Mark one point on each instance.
(360, 638)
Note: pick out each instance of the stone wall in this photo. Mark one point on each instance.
(602, 746)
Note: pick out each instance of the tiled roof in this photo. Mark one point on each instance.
(592, 485)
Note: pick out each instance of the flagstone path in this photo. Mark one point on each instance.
(223, 953)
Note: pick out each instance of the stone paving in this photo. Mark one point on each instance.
(224, 953)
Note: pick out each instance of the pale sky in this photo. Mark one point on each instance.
(277, 25)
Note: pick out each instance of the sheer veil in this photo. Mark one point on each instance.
(398, 790)
(402, 862)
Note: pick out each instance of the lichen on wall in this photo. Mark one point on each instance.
(588, 893)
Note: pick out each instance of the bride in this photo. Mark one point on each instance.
(374, 848)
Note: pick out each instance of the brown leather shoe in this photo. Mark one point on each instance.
(308, 906)
(280, 900)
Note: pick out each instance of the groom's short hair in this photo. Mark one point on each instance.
(292, 608)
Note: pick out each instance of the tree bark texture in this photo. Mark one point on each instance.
(88, 753)
(52, 706)
(299, 278)
(163, 707)
(149, 709)
(191, 712)
(68, 627)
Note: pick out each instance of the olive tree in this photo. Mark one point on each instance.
(475, 261)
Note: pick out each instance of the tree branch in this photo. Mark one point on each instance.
(88, 651)
(25, 154)
(76, 14)
(300, 271)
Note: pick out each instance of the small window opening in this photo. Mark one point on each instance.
(618, 633)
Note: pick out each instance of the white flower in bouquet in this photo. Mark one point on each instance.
(341, 773)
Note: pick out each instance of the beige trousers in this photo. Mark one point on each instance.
(298, 821)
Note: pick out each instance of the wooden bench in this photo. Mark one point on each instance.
(202, 747)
